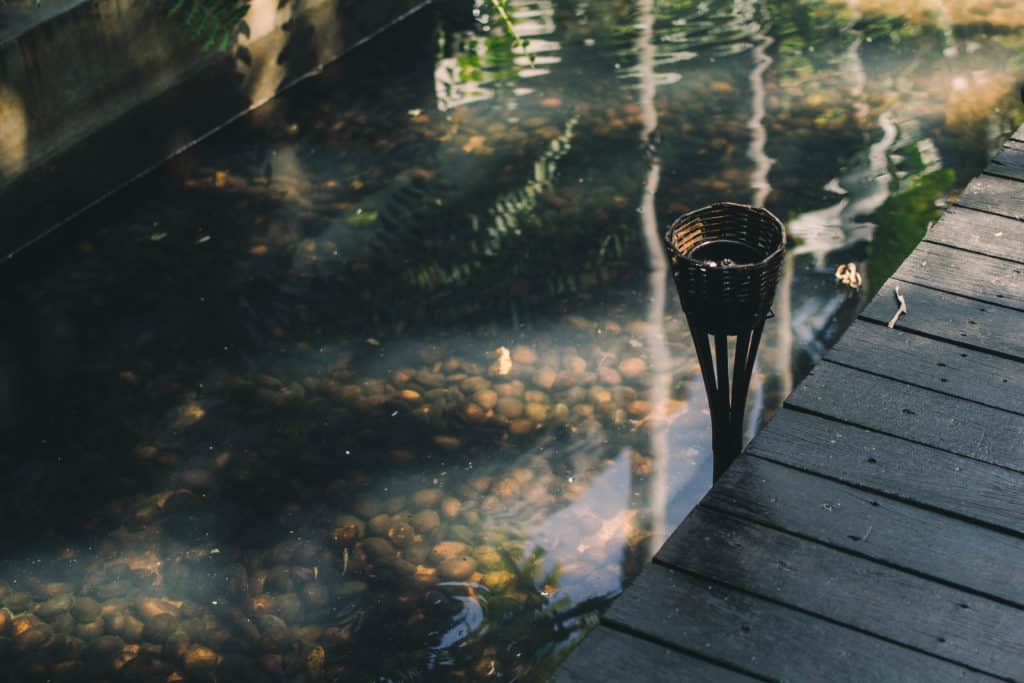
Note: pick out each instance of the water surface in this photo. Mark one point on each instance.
(388, 381)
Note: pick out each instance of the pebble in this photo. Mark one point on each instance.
(402, 533)
(417, 552)
(450, 507)
(509, 407)
(377, 548)
(347, 530)
(85, 610)
(315, 661)
(639, 408)
(474, 413)
(379, 524)
(513, 389)
(498, 580)
(427, 498)
(486, 398)
(633, 368)
(507, 487)
(200, 659)
(35, 637)
(54, 606)
(426, 521)
(609, 376)
(106, 647)
(457, 568)
(521, 427)
(537, 412)
(488, 557)
(24, 623)
(524, 354)
(447, 441)
(91, 629)
(447, 550)
(159, 628)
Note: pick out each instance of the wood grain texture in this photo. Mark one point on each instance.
(896, 468)
(907, 609)
(910, 538)
(927, 417)
(932, 364)
(765, 638)
(945, 316)
(979, 232)
(1009, 161)
(993, 280)
(609, 655)
(1018, 134)
(996, 195)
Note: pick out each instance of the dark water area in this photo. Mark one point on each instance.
(388, 382)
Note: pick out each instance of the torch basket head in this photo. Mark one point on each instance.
(725, 262)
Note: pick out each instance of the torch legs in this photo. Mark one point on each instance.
(726, 401)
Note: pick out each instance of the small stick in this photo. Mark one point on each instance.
(900, 311)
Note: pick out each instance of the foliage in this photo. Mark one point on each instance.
(215, 22)
(903, 221)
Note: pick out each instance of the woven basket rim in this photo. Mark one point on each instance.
(670, 234)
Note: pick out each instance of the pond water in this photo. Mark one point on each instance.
(387, 381)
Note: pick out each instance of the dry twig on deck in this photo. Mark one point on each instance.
(900, 311)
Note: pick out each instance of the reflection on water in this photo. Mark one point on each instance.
(388, 382)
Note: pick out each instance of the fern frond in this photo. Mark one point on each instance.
(215, 22)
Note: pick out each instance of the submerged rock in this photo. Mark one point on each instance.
(457, 568)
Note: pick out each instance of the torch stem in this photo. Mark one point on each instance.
(726, 415)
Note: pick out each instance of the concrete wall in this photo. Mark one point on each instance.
(95, 92)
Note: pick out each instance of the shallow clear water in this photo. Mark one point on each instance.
(388, 380)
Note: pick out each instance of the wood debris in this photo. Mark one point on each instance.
(900, 311)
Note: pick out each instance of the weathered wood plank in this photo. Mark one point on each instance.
(930, 544)
(609, 655)
(907, 609)
(927, 417)
(959, 272)
(896, 468)
(997, 195)
(932, 364)
(1018, 134)
(979, 232)
(1009, 161)
(953, 318)
(765, 638)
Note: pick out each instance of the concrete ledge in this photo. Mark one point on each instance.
(99, 91)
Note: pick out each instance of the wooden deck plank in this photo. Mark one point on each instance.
(609, 655)
(901, 469)
(980, 232)
(982, 378)
(1009, 161)
(996, 195)
(921, 415)
(904, 536)
(984, 278)
(906, 609)
(765, 638)
(1018, 134)
(953, 318)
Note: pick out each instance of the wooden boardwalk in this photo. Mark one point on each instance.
(874, 530)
